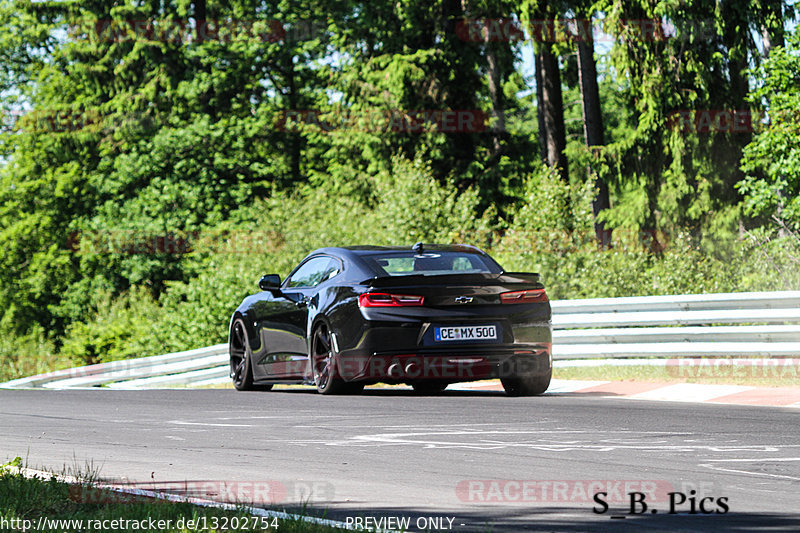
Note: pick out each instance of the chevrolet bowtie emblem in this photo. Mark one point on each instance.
(463, 299)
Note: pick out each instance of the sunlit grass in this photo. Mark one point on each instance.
(31, 498)
(755, 375)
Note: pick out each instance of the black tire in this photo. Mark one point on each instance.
(430, 387)
(526, 385)
(241, 359)
(323, 364)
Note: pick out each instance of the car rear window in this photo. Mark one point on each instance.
(430, 263)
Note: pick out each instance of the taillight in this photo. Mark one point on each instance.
(524, 297)
(381, 299)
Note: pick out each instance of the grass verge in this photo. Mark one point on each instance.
(753, 374)
(28, 504)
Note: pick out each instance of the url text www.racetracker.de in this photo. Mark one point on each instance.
(199, 523)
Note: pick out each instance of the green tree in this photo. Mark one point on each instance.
(672, 173)
(771, 161)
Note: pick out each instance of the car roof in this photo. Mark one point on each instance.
(369, 250)
(356, 255)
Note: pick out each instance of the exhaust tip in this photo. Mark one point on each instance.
(412, 370)
(395, 370)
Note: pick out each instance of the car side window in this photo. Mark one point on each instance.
(314, 271)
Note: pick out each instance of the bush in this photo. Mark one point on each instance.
(411, 206)
(551, 233)
(123, 327)
(25, 355)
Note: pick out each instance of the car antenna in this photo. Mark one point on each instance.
(418, 248)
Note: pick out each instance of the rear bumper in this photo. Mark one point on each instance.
(449, 367)
(406, 350)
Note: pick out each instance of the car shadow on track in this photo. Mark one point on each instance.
(473, 393)
(407, 392)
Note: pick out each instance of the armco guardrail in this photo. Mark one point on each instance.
(679, 326)
(172, 368)
(768, 325)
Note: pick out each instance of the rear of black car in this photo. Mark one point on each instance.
(449, 314)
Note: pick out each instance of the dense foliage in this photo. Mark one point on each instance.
(156, 157)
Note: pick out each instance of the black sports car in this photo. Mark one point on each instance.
(427, 316)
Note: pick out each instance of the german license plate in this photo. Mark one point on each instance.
(465, 333)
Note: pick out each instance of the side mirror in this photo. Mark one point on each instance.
(269, 282)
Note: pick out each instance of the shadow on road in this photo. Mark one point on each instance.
(550, 518)
(476, 393)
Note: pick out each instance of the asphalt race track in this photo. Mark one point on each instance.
(483, 460)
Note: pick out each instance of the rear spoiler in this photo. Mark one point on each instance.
(527, 278)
